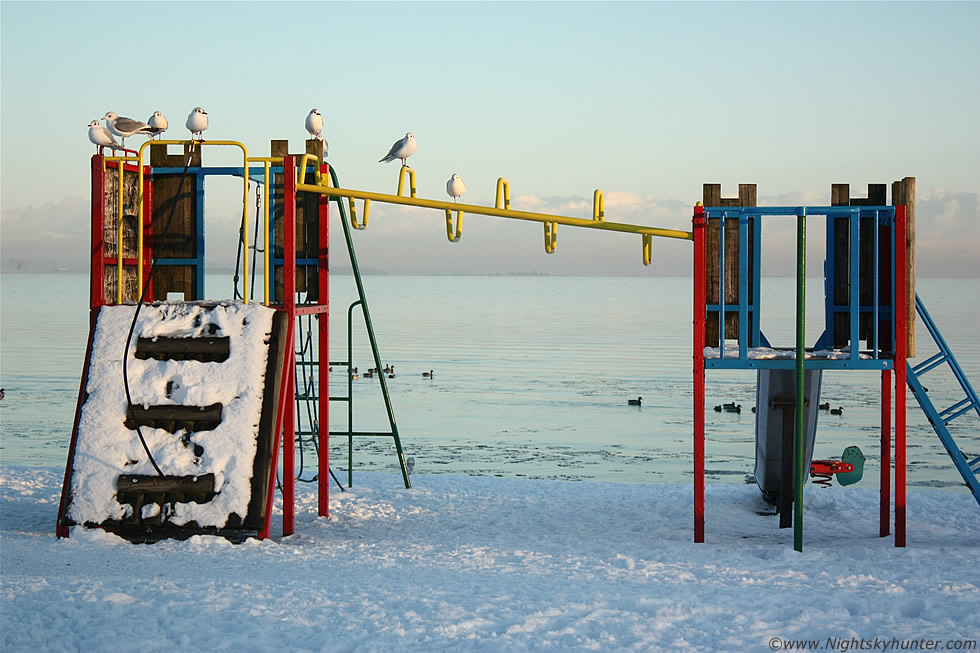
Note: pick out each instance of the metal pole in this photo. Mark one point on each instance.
(700, 255)
(800, 378)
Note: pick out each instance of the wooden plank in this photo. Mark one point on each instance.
(711, 196)
(840, 195)
(906, 196)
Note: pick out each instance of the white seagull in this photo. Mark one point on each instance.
(402, 149)
(158, 122)
(314, 124)
(101, 136)
(123, 127)
(455, 187)
(197, 122)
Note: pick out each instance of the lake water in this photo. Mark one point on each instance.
(532, 377)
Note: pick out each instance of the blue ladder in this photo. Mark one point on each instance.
(941, 419)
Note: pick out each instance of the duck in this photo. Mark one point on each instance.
(732, 407)
(428, 375)
(2, 393)
(837, 411)
(717, 409)
(825, 406)
(635, 402)
(369, 374)
(391, 376)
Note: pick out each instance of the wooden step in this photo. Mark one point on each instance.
(173, 418)
(208, 349)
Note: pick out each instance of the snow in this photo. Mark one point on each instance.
(106, 448)
(495, 564)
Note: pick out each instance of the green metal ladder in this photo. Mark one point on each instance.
(307, 362)
(940, 419)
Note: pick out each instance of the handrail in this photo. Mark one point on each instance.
(333, 192)
(598, 206)
(120, 186)
(550, 237)
(411, 180)
(266, 162)
(353, 214)
(502, 186)
(139, 225)
(449, 225)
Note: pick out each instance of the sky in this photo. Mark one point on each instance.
(646, 101)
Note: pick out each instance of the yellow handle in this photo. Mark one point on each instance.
(598, 206)
(353, 214)
(449, 225)
(411, 180)
(550, 237)
(503, 187)
(647, 248)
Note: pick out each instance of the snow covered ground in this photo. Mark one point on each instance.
(491, 564)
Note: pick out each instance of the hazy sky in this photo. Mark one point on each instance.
(646, 101)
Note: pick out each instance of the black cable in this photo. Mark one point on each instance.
(139, 304)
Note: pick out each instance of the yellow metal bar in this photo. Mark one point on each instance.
(193, 143)
(503, 187)
(550, 237)
(496, 212)
(411, 180)
(449, 225)
(598, 206)
(647, 249)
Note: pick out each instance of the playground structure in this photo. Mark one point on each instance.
(148, 217)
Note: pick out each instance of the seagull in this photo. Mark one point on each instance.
(314, 124)
(455, 186)
(123, 127)
(197, 122)
(402, 149)
(101, 136)
(158, 122)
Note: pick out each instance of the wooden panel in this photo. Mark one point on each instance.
(711, 196)
(175, 220)
(174, 279)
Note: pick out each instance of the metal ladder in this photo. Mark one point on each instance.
(307, 361)
(940, 419)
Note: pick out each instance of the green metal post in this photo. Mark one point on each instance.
(800, 379)
(370, 330)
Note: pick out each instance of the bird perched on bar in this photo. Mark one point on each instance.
(455, 186)
(197, 122)
(122, 126)
(158, 122)
(402, 149)
(101, 136)
(314, 124)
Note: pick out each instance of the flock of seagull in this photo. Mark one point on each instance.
(197, 121)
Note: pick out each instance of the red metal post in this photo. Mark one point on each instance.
(289, 304)
(323, 422)
(97, 269)
(285, 404)
(901, 336)
(884, 513)
(700, 259)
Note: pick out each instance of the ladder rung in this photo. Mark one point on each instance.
(960, 407)
(930, 363)
(339, 398)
